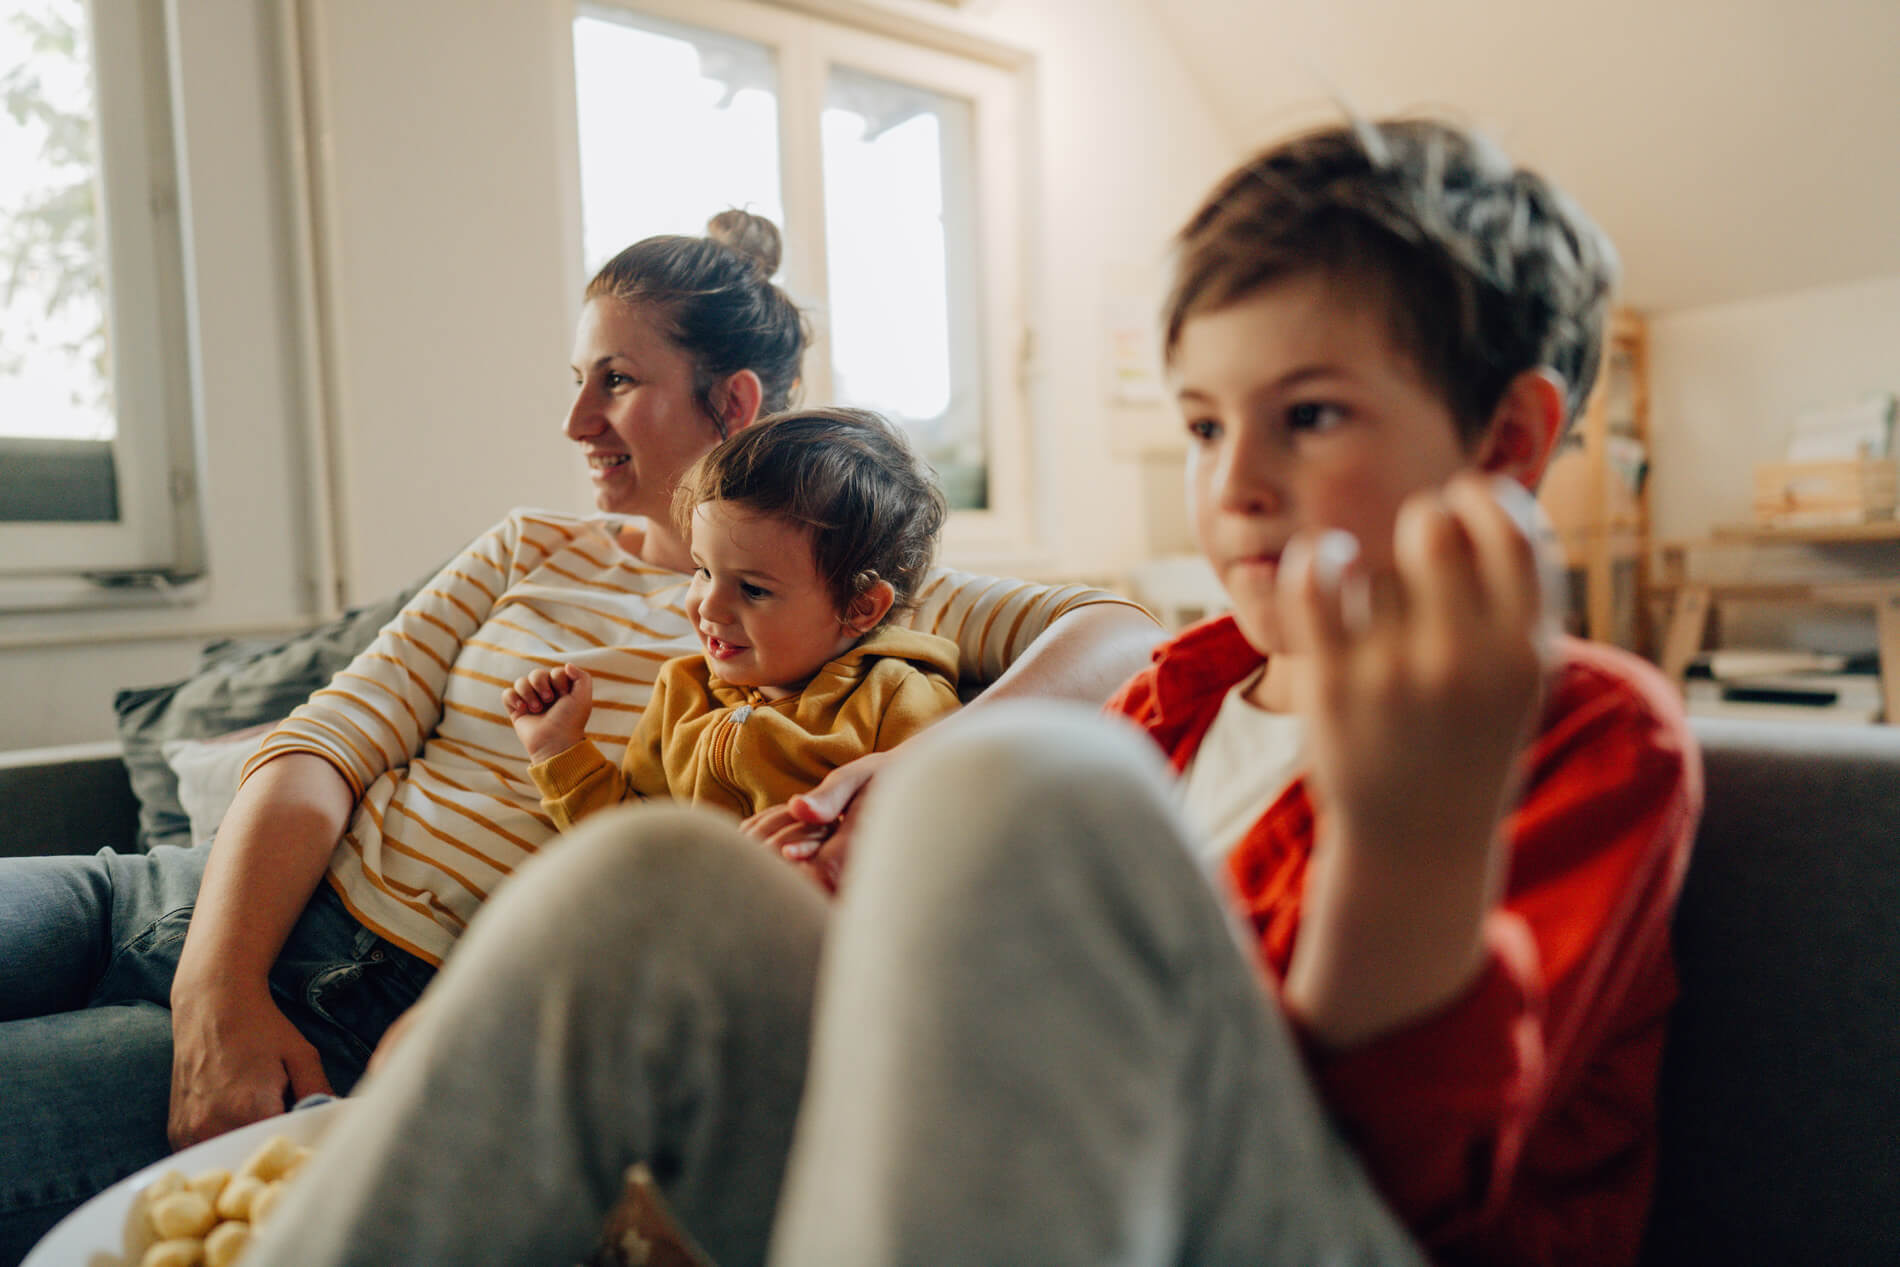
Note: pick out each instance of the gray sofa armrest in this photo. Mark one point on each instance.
(65, 800)
(1781, 1080)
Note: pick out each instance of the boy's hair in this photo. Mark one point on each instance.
(849, 477)
(1487, 270)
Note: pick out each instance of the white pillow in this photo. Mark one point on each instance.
(207, 771)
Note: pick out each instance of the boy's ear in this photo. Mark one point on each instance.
(1525, 428)
(870, 607)
(738, 400)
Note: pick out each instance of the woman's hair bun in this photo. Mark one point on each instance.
(750, 235)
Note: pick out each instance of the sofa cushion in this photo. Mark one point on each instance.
(1781, 1082)
(236, 686)
(208, 771)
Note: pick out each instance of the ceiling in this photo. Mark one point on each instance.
(1732, 149)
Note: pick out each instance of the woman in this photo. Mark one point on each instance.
(380, 816)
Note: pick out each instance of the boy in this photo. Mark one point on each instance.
(806, 535)
(1458, 849)
(1036, 1037)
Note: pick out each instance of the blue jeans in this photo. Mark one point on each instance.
(88, 948)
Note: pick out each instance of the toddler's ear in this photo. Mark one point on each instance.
(1525, 428)
(870, 607)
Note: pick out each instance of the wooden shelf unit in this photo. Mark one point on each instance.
(1603, 524)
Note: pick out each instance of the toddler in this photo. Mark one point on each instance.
(807, 532)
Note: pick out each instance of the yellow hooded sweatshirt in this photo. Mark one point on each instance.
(729, 747)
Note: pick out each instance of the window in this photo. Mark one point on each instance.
(891, 172)
(95, 456)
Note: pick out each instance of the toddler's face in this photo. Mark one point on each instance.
(1301, 415)
(764, 615)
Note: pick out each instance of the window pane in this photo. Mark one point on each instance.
(54, 377)
(901, 262)
(677, 123)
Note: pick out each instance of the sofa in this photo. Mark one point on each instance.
(1781, 1085)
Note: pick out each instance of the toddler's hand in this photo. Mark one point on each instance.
(549, 709)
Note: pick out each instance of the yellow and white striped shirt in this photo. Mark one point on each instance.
(445, 807)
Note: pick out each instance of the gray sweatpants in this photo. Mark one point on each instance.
(1038, 1040)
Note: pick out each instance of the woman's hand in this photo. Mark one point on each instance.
(813, 830)
(236, 1059)
(549, 709)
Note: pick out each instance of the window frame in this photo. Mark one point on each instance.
(807, 42)
(157, 540)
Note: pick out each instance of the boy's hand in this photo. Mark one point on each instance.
(1424, 680)
(549, 709)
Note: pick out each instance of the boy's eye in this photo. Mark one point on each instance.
(1313, 415)
(753, 591)
(1204, 429)
(700, 573)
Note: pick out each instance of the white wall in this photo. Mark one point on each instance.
(454, 240)
(1731, 148)
(446, 223)
(1126, 146)
(1727, 382)
(445, 230)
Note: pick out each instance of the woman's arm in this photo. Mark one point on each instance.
(235, 1056)
(1084, 655)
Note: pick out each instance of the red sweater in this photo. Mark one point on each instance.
(1517, 1124)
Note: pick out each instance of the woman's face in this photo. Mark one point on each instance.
(634, 415)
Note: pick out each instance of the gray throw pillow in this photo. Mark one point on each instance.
(237, 685)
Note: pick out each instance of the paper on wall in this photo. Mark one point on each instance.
(1863, 429)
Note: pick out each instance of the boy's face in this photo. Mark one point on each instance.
(764, 615)
(1301, 415)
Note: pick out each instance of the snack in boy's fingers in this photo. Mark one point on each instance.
(1552, 578)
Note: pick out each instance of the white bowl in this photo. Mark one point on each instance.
(98, 1232)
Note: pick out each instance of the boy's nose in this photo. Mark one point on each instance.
(1247, 480)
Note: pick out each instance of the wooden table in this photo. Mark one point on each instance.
(1693, 602)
